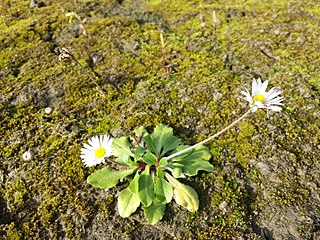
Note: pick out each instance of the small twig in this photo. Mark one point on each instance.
(268, 54)
(91, 66)
(163, 56)
(109, 81)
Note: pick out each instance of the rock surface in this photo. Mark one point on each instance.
(266, 169)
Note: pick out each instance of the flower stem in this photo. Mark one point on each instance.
(210, 138)
(66, 55)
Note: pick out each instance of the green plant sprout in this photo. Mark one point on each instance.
(153, 162)
(164, 61)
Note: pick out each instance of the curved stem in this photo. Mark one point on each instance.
(210, 138)
(104, 94)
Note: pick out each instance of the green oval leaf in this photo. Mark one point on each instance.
(195, 161)
(163, 161)
(149, 158)
(151, 145)
(134, 184)
(154, 212)
(146, 192)
(140, 131)
(138, 153)
(184, 195)
(108, 177)
(163, 190)
(128, 202)
(121, 148)
(199, 152)
(191, 167)
(164, 139)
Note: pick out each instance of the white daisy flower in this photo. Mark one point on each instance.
(260, 98)
(97, 150)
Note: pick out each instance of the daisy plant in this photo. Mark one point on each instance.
(153, 162)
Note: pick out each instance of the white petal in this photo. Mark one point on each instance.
(94, 142)
(109, 148)
(255, 108)
(245, 92)
(277, 100)
(106, 140)
(272, 94)
(264, 86)
(259, 83)
(88, 147)
(254, 87)
(259, 104)
(248, 98)
(88, 154)
(102, 140)
(275, 108)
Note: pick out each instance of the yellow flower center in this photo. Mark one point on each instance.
(259, 97)
(100, 152)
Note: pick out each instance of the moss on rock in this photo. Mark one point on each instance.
(266, 169)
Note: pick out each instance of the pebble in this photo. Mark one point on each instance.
(28, 155)
(48, 110)
(223, 207)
